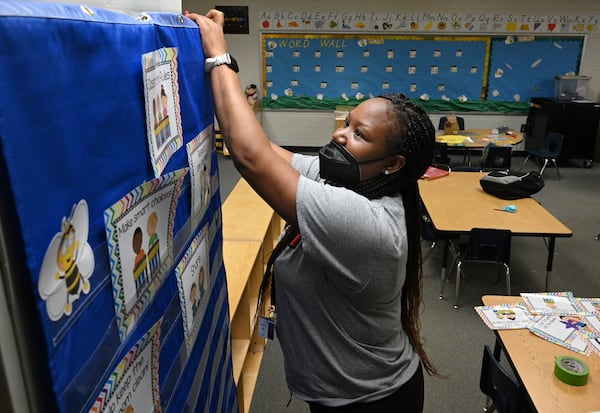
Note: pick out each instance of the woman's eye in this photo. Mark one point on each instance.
(357, 133)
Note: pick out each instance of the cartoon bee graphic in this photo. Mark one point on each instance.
(67, 265)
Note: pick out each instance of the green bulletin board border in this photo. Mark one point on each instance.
(437, 105)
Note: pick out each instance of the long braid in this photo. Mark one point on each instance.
(417, 145)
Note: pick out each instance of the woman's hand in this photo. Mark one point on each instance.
(211, 32)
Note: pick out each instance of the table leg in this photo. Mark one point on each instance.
(444, 265)
(467, 157)
(549, 262)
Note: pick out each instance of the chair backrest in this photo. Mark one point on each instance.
(440, 153)
(497, 157)
(506, 393)
(428, 231)
(487, 244)
(554, 143)
(444, 119)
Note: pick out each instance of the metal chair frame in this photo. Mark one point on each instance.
(490, 246)
(549, 152)
(432, 235)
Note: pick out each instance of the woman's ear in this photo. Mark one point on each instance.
(396, 163)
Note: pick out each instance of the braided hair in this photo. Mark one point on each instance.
(412, 135)
(415, 138)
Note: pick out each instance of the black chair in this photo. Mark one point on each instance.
(428, 231)
(496, 158)
(504, 393)
(430, 234)
(440, 154)
(488, 246)
(460, 120)
(461, 126)
(550, 151)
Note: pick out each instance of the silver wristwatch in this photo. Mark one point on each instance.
(224, 59)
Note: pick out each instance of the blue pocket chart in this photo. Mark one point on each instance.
(73, 144)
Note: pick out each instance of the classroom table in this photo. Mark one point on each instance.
(470, 139)
(456, 204)
(479, 138)
(532, 359)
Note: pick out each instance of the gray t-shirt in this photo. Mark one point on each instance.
(338, 295)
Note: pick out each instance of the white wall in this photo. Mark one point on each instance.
(312, 128)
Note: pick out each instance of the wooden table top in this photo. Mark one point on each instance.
(533, 359)
(457, 203)
(246, 216)
(479, 138)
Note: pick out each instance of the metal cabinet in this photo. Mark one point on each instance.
(579, 122)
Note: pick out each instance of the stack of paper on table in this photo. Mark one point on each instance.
(558, 317)
(453, 139)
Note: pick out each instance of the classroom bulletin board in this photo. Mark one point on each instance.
(359, 65)
(520, 70)
(469, 72)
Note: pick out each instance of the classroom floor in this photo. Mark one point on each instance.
(454, 339)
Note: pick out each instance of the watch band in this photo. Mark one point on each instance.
(224, 59)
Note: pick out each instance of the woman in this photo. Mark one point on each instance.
(348, 269)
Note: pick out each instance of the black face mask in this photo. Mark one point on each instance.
(338, 165)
